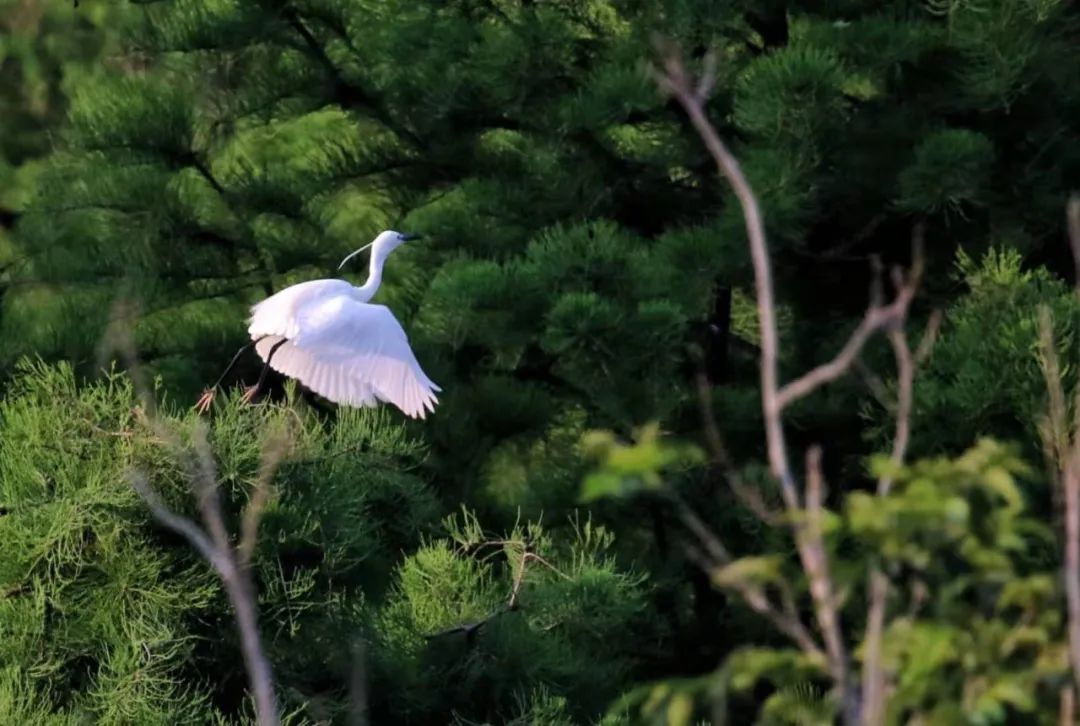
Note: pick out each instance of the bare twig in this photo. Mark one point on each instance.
(358, 697)
(807, 531)
(1073, 219)
(1065, 451)
(675, 81)
(807, 523)
(873, 675)
(878, 317)
(513, 598)
(714, 440)
(212, 540)
(275, 448)
(784, 619)
(237, 585)
(930, 335)
(816, 565)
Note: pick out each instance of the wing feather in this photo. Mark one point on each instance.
(353, 353)
(279, 314)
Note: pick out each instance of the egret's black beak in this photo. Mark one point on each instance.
(409, 236)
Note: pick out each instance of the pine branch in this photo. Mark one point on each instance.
(513, 598)
(350, 92)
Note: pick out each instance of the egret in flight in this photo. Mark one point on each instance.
(325, 334)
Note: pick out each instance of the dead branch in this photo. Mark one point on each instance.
(808, 537)
(784, 618)
(815, 562)
(236, 581)
(211, 540)
(806, 523)
(276, 447)
(873, 675)
(675, 81)
(1064, 450)
(878, 317)
(718, 451)
(1072, 213)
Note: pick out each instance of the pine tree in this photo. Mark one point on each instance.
(47, 50)
(582, 256)
(109, 616)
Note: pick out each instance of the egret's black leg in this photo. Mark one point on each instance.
(208, 395)
(250, 392)
(234, 359)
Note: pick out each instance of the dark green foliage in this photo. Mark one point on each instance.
(984, 376)
(581, 263)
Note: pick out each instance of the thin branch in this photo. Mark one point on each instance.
(808, 532)
(905, 366)
(784, 619)
(674, 80)
(212, 539)
(749, 496)
(816, 564)
(275, 449)
(513, 598)
(873, 675)
(1073, 217)
(718, 553)
(878, 317)
(181, 525)
(930, 335)
(1066, 455)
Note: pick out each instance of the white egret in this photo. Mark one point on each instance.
(325, 334)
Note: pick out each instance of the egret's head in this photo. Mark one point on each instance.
(383, 245)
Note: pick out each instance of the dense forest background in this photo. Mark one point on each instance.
(591, 527)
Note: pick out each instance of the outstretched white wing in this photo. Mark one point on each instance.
(353, 353)
(279, 314)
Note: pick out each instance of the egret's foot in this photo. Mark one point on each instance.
(207, 398)
(249, 394)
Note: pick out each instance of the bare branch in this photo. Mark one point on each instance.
(707, 78)
(212, 540)
(718, 553)
(905, 384)
(816, 565)
(181, 525)
(1073, 217)
(878, 317)
(784, 619)
(749, 496)
(358, 697)
(275, 448)
(930, 335)
(1065, 452)
(808, 532)
(674, 80)
(873, 676)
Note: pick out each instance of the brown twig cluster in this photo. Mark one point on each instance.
(803, 505)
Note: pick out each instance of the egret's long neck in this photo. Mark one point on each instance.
(367, 291)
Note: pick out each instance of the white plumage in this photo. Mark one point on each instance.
(325, 334)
